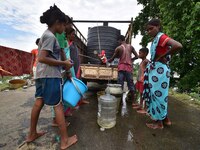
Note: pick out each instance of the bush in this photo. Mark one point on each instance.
(190, 81)
(195, 95)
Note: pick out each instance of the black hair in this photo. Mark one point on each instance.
(37, 41)
(145, 50)
(71, 30)
(121, 37)
(68, 20)
(52, 15)
(155, 22)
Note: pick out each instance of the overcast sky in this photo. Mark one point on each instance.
(20, 25)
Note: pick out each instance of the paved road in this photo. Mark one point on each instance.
(130, 132)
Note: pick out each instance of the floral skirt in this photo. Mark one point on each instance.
(156, 87)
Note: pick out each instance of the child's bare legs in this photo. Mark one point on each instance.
(134, 103)
(141, 100)
(60, 119)
(54, 123)
(83, 101)
(141, 110)
(33, 134)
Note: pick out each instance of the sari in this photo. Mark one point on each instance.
(156, 84)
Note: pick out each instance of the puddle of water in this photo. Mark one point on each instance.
(130, 136)
(124, 110)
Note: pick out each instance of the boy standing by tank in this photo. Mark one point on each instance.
(125, 67)
(143, 52)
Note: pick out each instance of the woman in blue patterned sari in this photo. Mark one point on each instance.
(157, 75)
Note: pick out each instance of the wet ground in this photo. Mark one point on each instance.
(130, 132)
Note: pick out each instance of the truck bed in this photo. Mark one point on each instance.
(91, 72)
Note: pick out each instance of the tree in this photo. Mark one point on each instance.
(180, 20)
(150, 10)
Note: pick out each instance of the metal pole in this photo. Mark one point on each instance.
(99, 39)
(88, 57)
(102, 21)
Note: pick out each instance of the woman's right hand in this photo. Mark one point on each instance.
(68, 64)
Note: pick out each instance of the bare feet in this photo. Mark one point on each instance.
(83, 101)
(154, 125)
(141, 111)
(33, 137)
(136, 106)
(167, 122)
(70, 141)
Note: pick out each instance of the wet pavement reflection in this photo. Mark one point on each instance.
(124, 110)
(130, 136)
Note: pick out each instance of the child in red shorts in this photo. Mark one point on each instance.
(143, 52)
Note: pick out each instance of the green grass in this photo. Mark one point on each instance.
(186, 98)
(4, 86)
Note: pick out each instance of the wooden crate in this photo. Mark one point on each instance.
(99, 72)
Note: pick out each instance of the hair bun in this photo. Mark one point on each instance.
(43, 19)
(52, 15)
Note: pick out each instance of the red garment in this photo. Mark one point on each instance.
(70, 42)
(103, 57)
(161, 47)
(140, 79)
(139, 86)
(78, 75)
(34, 52)
(141, 70)
(125, 62)
(15, 61)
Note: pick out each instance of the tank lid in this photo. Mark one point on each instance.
(114, 85)
(108, 97)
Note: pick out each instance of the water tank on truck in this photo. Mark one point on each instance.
(101, 38)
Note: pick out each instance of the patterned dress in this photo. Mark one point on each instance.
(156, 80)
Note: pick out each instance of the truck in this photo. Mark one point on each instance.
(98, 72)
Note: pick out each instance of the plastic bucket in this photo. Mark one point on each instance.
(71, 92)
